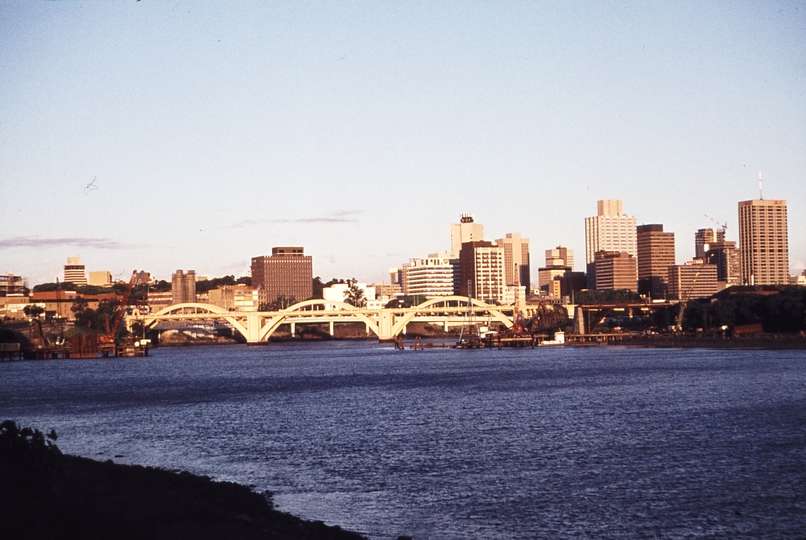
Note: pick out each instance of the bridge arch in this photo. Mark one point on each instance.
(461, 302)
(194, 308)
(341, 309)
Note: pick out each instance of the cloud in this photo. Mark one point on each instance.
(36, 242)
(342, 216)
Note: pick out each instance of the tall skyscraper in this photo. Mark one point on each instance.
(481, 273)
(465, 231)
(609, 230)
(517, 271)
(288, 272)
(655, 256)
(183, 287)
(75, 272)
(704, 238)
(764, 242)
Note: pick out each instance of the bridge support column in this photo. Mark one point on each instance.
(293, 329)
(331, 328)
(252, 327)
(385, 323)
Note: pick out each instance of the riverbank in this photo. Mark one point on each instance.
(44, 494)
(687, 341)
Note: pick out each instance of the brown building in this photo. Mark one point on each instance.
(703, 238)
(288, 272)
(725, 255)
(688, 281)
(481, 271)
(764, 242)
(615, 270)
(655, 256)
(183, 287)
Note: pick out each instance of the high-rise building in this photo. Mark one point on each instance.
(725, 256)
(430, 277)
(288, 272)
(615, 270)
(655, 256)
(183, 287)
(517, 271)
(465, 231)
(560, 256)
(704, 238)
(75, 272)
(694, 280)
(764, 242)
(609, 230)
(481, 273)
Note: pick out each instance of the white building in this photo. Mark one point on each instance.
(430, 277)
(465, 231)
(75, 271)
(611, 231)
(335, 293)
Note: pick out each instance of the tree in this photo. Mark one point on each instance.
(354, 295)
(281, 302)
(33, 311)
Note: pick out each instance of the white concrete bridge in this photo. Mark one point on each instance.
(386, 323)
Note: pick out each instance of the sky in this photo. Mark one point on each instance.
(159, 135)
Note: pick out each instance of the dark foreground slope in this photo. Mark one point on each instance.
(44, 494)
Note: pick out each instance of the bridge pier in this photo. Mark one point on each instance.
(252, 327)
(331, 328)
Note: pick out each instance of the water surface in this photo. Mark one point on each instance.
(445, 444)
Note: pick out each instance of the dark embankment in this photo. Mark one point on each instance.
(47, 495)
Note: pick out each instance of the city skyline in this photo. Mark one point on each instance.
(194, 135)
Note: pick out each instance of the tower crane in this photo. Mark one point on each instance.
(723, 225)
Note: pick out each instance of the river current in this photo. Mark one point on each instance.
(600, 442)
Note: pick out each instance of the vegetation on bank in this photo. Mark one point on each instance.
(44, 494)
(783, 312)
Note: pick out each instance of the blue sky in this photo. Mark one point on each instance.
(163, 135)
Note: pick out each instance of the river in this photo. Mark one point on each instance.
(596, 442)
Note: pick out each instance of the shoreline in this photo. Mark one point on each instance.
(51, 495)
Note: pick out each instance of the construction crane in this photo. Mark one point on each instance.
(111, 334)
(723, 225)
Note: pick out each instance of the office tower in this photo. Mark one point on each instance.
(704, 238)
(465, 231)
(288, 272)
(693, 280)
(614, 270)
(430, 277)
(609, 230)
(725, 256)
(183, 287)
(764, 242)
(481, 274)
(655, 256)
(560, 256)
(74, 271)
(516, 260)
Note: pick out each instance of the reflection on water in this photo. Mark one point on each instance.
(444, 444)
